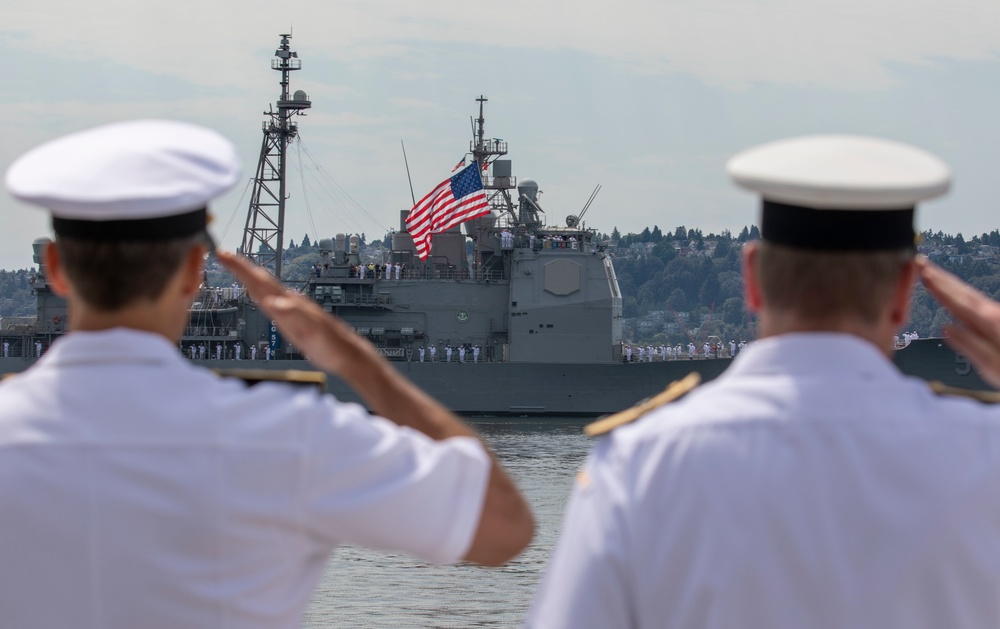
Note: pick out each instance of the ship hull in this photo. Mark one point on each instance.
(553, 389)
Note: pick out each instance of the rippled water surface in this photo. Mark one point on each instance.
(366, 588)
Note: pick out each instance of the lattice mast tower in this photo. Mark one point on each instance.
(263, 236)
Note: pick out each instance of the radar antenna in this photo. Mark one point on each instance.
(263, 235)
(573, 220)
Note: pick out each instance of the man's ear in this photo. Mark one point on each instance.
(751, 285)
(899, 307)
(194, 264)
(55, 275)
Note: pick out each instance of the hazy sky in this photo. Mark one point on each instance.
(647, 98)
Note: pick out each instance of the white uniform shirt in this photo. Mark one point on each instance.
(811, 485)
(139, 490)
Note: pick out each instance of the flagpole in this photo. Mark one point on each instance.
(412, 196)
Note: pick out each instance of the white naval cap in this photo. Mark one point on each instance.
(839, 192)
(136, 180)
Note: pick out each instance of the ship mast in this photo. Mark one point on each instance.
(263, 235)
(484, 149)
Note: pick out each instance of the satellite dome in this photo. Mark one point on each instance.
(528, 188)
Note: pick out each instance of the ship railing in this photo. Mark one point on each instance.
(216, 331)
(499, 183)
(491, 275)
(398, 353)
(213, 297)
(682, 357)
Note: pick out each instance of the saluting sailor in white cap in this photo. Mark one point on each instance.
(812, 484)
(138, 488)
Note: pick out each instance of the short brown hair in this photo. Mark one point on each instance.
(110, 275)
(824, 286)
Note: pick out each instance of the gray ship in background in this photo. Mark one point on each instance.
(529, 324)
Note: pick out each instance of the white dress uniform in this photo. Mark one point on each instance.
(811, 485)
(151, 493)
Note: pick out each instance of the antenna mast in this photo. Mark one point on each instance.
(263, 236)
(485, 151)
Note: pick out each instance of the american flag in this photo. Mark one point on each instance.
(458, 165)
(455, 200)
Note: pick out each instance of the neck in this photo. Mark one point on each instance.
(145, 316)
(878, 334)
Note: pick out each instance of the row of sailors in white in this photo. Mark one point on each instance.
(422, 353)
(665, 352)
(200, 351)
(909, 336)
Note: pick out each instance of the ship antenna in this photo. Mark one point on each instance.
(263, 235)
(593, 195)
(412, 196)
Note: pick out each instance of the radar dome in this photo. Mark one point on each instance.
(300, 95)
(528, 188)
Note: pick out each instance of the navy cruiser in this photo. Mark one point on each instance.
(529, 324)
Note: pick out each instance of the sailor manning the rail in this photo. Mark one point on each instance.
(150, 492)
(812, 484)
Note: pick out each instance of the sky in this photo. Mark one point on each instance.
(648, 98)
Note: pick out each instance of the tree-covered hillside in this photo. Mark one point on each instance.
(678, 285)
(684, 285)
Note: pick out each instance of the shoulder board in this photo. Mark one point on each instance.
(675, 391)
(986, 397)
(291, 376)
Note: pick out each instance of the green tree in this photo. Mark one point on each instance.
(722, 248)
(664, 250)
(733, 311)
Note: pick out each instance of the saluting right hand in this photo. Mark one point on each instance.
(327, 342)
(976, 331)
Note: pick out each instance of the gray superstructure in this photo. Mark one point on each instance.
(532, 318)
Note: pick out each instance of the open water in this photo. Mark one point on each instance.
(365, 588)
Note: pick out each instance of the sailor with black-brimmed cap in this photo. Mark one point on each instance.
(839, 192)
(143, 180)
(811, 484)
(140, 490)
